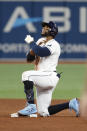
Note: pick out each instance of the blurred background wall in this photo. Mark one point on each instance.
(21, 17)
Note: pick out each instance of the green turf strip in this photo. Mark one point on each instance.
(70, 85)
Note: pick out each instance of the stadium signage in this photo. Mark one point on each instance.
(19, 18)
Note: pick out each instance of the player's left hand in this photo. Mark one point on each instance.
(28, 39)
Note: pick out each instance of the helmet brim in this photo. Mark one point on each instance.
(45, 24)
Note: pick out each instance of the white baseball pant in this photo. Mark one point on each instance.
(45, 83)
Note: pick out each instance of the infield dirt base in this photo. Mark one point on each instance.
(63, 121)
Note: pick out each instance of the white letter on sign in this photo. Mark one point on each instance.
(19, 11)
(83, 20)
(64, 18)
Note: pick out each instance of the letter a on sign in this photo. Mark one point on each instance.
(19, 11)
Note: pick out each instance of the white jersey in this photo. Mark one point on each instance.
(44, 79)
(49, 63)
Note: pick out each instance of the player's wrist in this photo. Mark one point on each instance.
(32, 52)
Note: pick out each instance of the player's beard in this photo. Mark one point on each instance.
(45, 34)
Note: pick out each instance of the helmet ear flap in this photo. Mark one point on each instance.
(54, 31)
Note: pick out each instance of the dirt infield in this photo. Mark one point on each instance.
(60, 62)
(63, 121)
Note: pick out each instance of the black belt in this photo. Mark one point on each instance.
(59, 74)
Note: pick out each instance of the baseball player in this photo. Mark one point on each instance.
(45, 55)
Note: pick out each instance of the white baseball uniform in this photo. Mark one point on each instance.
(45, 78)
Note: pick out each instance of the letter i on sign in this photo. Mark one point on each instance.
(83, 20)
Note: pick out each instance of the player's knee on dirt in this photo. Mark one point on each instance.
(43, 112)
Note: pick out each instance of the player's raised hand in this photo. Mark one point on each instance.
(28, 39)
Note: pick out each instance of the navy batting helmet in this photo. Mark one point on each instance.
(53, 28)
